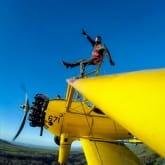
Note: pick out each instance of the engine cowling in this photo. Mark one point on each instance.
(37, 110)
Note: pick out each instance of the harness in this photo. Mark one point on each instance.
(97, 54)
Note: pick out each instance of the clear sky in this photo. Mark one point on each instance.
(36, 35)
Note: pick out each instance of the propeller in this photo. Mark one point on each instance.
(37, 111)
(26, 108)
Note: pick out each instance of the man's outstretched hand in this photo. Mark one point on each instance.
(112, 63)
(83, 32)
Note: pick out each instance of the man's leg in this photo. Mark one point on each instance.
(83, 65)
(82, 69)
(71, 65)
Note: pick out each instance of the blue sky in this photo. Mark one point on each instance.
(36, 35)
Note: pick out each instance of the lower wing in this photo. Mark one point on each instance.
(103, 153)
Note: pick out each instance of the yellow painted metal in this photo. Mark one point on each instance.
(69, 96)
(136, 100)
(103, 153)
(77, 123)
(64, 148)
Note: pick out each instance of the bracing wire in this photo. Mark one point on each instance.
(90, 128)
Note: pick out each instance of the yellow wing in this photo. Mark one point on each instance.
(107, 153)
(135, 100)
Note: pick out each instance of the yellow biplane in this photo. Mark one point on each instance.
(103, 112)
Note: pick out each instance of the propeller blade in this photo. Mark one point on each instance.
(26, 104)
(22, 125)
(23, 87)
(26, 109)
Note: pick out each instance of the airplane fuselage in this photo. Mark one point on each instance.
(77, 123)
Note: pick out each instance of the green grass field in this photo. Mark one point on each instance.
(13, 154)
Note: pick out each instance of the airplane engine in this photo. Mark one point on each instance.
(37, 110)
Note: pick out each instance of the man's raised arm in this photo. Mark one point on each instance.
(107, 52)
(88, 37)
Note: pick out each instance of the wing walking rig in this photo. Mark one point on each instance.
(103, 112)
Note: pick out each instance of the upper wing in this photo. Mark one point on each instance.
(135, 100)
(107, 153)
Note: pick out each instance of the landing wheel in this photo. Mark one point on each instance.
(57, 140)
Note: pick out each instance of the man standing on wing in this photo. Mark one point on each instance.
(99, 50)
